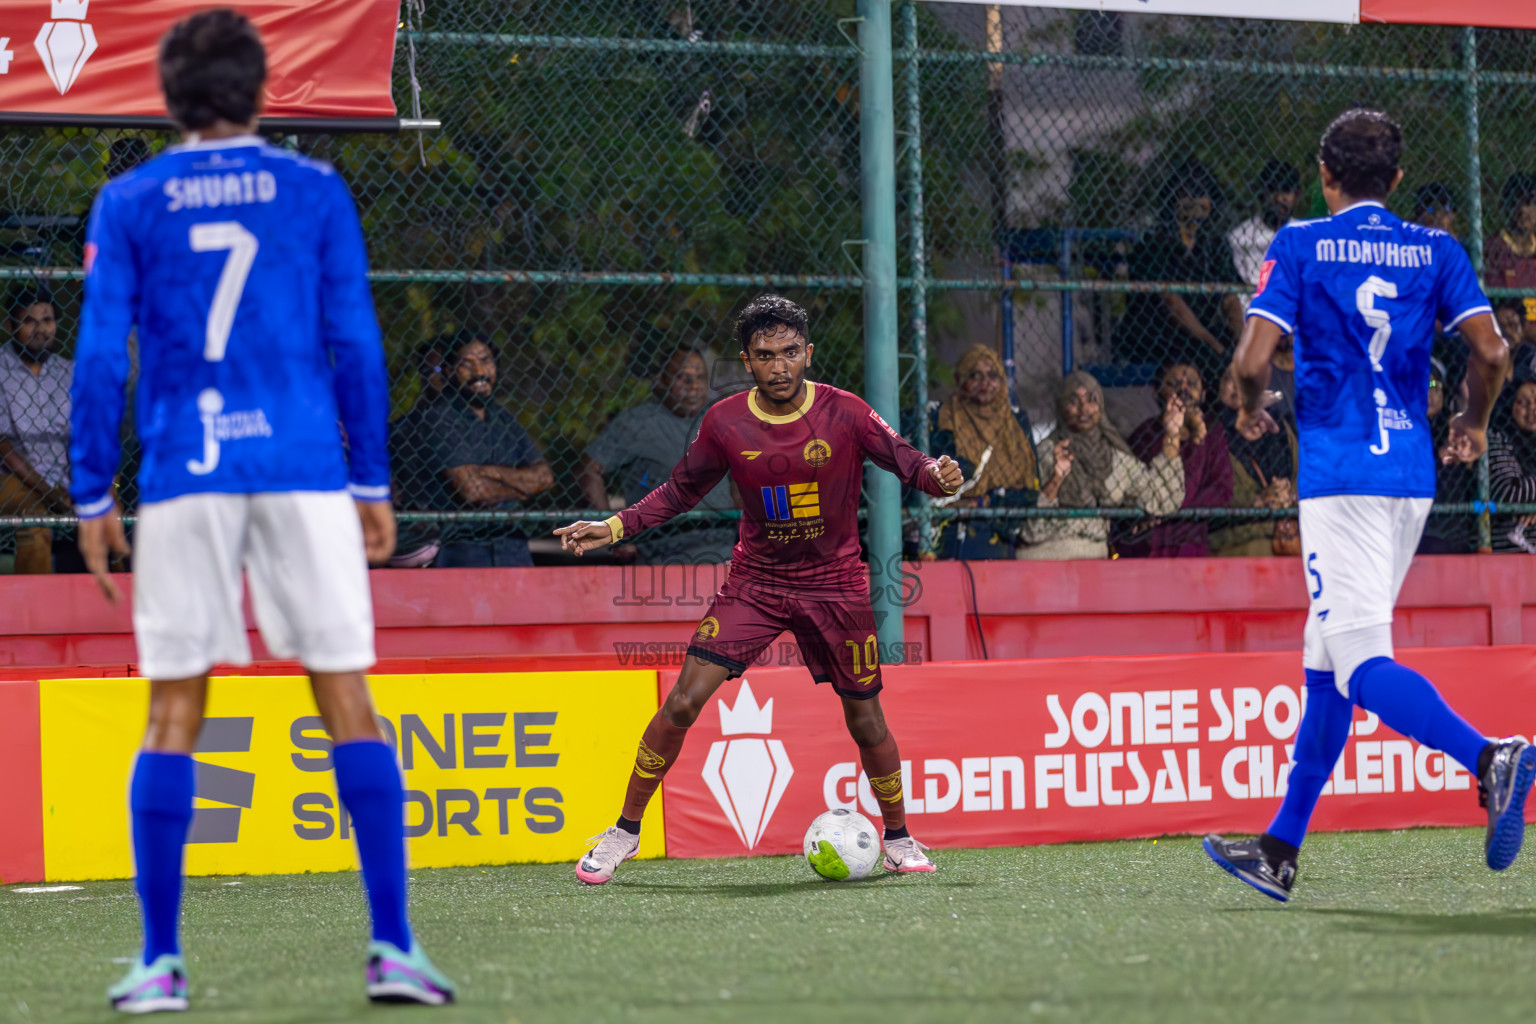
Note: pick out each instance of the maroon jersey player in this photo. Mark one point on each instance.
(796, 452)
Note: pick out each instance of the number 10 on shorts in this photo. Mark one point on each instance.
(870, 650)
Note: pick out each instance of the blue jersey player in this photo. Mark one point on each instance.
(243, 272)
(1360, 292)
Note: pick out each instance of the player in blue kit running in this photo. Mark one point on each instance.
(243, 271)
(1360, 292)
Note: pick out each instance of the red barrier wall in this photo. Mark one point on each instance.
(1027, 610)
(21, 791)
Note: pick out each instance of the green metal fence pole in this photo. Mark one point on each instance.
(917, 249)
(877, 168)
(1469, 98)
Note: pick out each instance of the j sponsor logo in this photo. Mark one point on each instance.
(746, 771)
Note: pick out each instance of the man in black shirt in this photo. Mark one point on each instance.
(471, 454)
(1198, 329)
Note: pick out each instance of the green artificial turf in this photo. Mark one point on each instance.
(1385, 926)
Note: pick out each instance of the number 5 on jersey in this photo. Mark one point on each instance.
(231, 237)
(1378, 319)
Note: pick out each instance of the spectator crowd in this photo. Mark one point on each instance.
(463, 457)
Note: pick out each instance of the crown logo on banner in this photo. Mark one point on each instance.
(746, 716)
(66, 43)
(747, 775)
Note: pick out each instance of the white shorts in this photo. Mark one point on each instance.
(303, 555)
(1357, 549)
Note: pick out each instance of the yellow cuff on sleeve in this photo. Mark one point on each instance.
(617, 526)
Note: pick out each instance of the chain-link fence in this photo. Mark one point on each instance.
(1076, 191)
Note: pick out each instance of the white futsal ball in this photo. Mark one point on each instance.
(842, 845)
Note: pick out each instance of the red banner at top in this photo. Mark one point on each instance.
(1489, 13)
(325, 58)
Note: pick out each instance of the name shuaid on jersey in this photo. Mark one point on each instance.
(195, 192)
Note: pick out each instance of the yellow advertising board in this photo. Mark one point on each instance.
(499, 768)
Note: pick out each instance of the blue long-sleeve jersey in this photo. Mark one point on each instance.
(243, 270)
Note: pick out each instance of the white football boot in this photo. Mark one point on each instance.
(906, 855)
(609, 850)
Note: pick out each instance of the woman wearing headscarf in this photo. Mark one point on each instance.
(1512, 472)
(1085, 463)
(1263, 476)
(1207, 467)
(990, 439)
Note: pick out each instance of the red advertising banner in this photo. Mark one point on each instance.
(1025, 752)
(1490, 13)
(325, 58)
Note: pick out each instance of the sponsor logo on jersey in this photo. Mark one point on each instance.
(818, 452)
(1264, 272)
(884, 425)
(220, 427)
(751, 455)
(747, 771)
(708, 629)
(786, 502)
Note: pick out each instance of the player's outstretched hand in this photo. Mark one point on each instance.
(378, 530)
(98, 540)
(1464, 441)
(1254, 425)
(947, 472)
(583, 536)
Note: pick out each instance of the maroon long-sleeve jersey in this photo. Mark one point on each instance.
(799, 476)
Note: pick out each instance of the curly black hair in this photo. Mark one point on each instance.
(1364, 149)
(770, 313)
(212, 67)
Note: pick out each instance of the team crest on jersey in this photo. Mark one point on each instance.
(1264, 272)
(708, 629)
(818, 452)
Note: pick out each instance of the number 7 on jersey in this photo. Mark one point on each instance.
(225, 236)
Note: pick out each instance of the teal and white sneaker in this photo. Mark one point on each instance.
(398, 977)
(152, 988)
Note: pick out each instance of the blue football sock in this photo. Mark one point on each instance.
(1409, 703)
(160, 800)
(368, 782)
(1319, 742)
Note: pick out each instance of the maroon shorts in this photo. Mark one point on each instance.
(837, 638)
